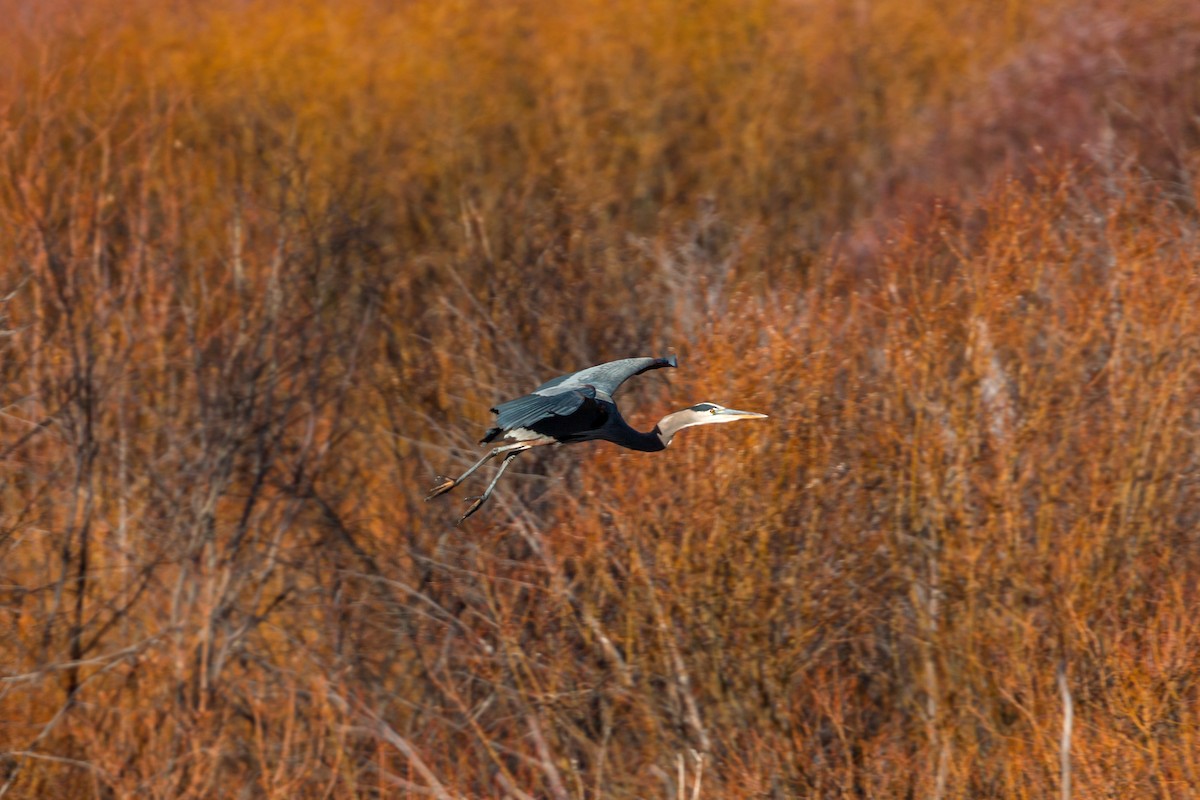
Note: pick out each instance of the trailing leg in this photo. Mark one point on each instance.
(449, 483)
(479, 501)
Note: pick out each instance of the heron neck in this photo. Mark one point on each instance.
(670, 425)
(649, 442)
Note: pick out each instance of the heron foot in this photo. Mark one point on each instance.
(446, 485)
(471, 509)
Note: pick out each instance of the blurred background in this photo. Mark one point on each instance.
(265, 265)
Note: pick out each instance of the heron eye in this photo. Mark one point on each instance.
(712, 411)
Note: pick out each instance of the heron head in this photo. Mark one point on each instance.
(701, 414)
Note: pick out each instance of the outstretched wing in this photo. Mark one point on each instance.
(566, 395)
(605, 378)
(555, 402)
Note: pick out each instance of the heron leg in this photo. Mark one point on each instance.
(449, 483)
(479, 501)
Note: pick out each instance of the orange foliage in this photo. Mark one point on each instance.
(265, 266)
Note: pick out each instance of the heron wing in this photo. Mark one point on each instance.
(556, 402)
(605, 378)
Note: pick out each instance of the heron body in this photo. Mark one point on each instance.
(579, 407)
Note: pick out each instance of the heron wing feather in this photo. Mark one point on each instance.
(605, 378)
(527, 410)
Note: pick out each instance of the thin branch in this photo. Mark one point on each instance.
(1064, 752)
(380, 728)
(73, 762)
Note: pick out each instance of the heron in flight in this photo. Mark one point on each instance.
(578, 407)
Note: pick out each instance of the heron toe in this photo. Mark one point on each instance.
(446, 485)
(476, 504)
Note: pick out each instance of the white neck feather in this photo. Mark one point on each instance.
(673, 423)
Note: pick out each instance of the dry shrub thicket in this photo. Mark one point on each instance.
(265, 265)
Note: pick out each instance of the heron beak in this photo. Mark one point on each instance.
(733, 412)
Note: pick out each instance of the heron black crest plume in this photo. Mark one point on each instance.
(578, 407)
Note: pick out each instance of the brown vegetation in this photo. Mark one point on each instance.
(265, 265)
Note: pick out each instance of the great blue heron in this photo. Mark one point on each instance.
(578, 407)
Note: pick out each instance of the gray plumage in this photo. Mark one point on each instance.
(606, 378)
(566, 394)
(579, 407)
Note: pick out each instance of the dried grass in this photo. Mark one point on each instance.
(266, 265)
